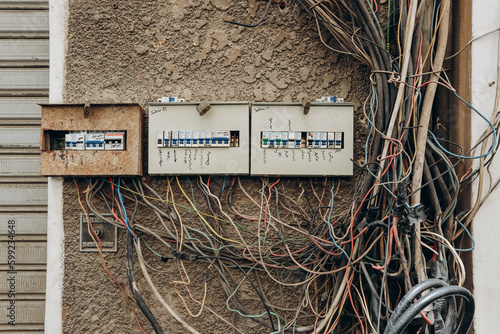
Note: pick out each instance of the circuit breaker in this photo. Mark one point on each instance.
(91, 140)
(287, 141)
(183, 142)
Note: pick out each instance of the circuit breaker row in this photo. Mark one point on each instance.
(197, 138)
(302, 139)
(95, 140)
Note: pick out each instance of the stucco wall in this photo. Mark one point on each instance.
(186, 49)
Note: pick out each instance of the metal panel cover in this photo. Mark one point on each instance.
(322, 117)
(101, 117)
(227, 116)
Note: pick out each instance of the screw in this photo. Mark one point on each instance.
(99, 233)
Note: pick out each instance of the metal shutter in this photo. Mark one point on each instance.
(24, 82)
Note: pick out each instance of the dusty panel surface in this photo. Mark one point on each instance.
(173, 160)
(326, 158)
(187, 49)
(101, 117)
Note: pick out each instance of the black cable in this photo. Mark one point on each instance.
(263, 18)
(447, 291)
(131, 277)
(411, 295)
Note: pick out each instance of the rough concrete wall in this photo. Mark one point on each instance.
(186, 49)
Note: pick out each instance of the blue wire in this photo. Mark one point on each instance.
(432, 20)
(464, 156)
(295, 323)
(124, 211)
(330, 226)
(151, 249)
(223, 185)
(471, 238)
(105, 201)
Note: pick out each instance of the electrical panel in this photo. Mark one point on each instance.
(183, 142)
(91, 140)
(288, 141)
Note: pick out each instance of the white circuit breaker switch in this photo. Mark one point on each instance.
(189, 138)
(159, 139)
(331, 139)
(175, 138)
(68, 141)
(208, 138)
(284, 139)
(227, 138)
(196, 138)
(221, 138)
(291, 140)
(323, 139)
(298, 139)
(166, 138)
(78, 141)
(317, 140)
(277, 140)
(114, 141)
(310, 140)
(182, 138)
(339, 138)
(265, 139)
(94, 141)
(272, 139)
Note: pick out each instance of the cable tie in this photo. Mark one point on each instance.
(207, 274)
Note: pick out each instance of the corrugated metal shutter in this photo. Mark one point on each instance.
(24, 82)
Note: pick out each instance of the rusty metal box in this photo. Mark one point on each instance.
(59, 120)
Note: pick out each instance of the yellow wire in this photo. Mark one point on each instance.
(166, 201)
(95, 241)
(201, 217)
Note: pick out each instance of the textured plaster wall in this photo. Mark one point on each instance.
(186, 49)
(484, 82)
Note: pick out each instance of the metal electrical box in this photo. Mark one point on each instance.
(286, 141)
(183, 142)
(91, 140)
(107, 233)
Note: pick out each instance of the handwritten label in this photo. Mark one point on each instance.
(161, 157)
(155, 111)
(208, 158)
(257, 109)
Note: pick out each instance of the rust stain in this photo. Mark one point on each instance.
(94, 163)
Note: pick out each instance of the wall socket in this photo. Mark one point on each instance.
(107, 233)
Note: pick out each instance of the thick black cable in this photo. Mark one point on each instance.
(131, 277)
(444, 292)
(411, 295)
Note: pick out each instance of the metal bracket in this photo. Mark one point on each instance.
(306, 104)
(86, 110)
(203, 108)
